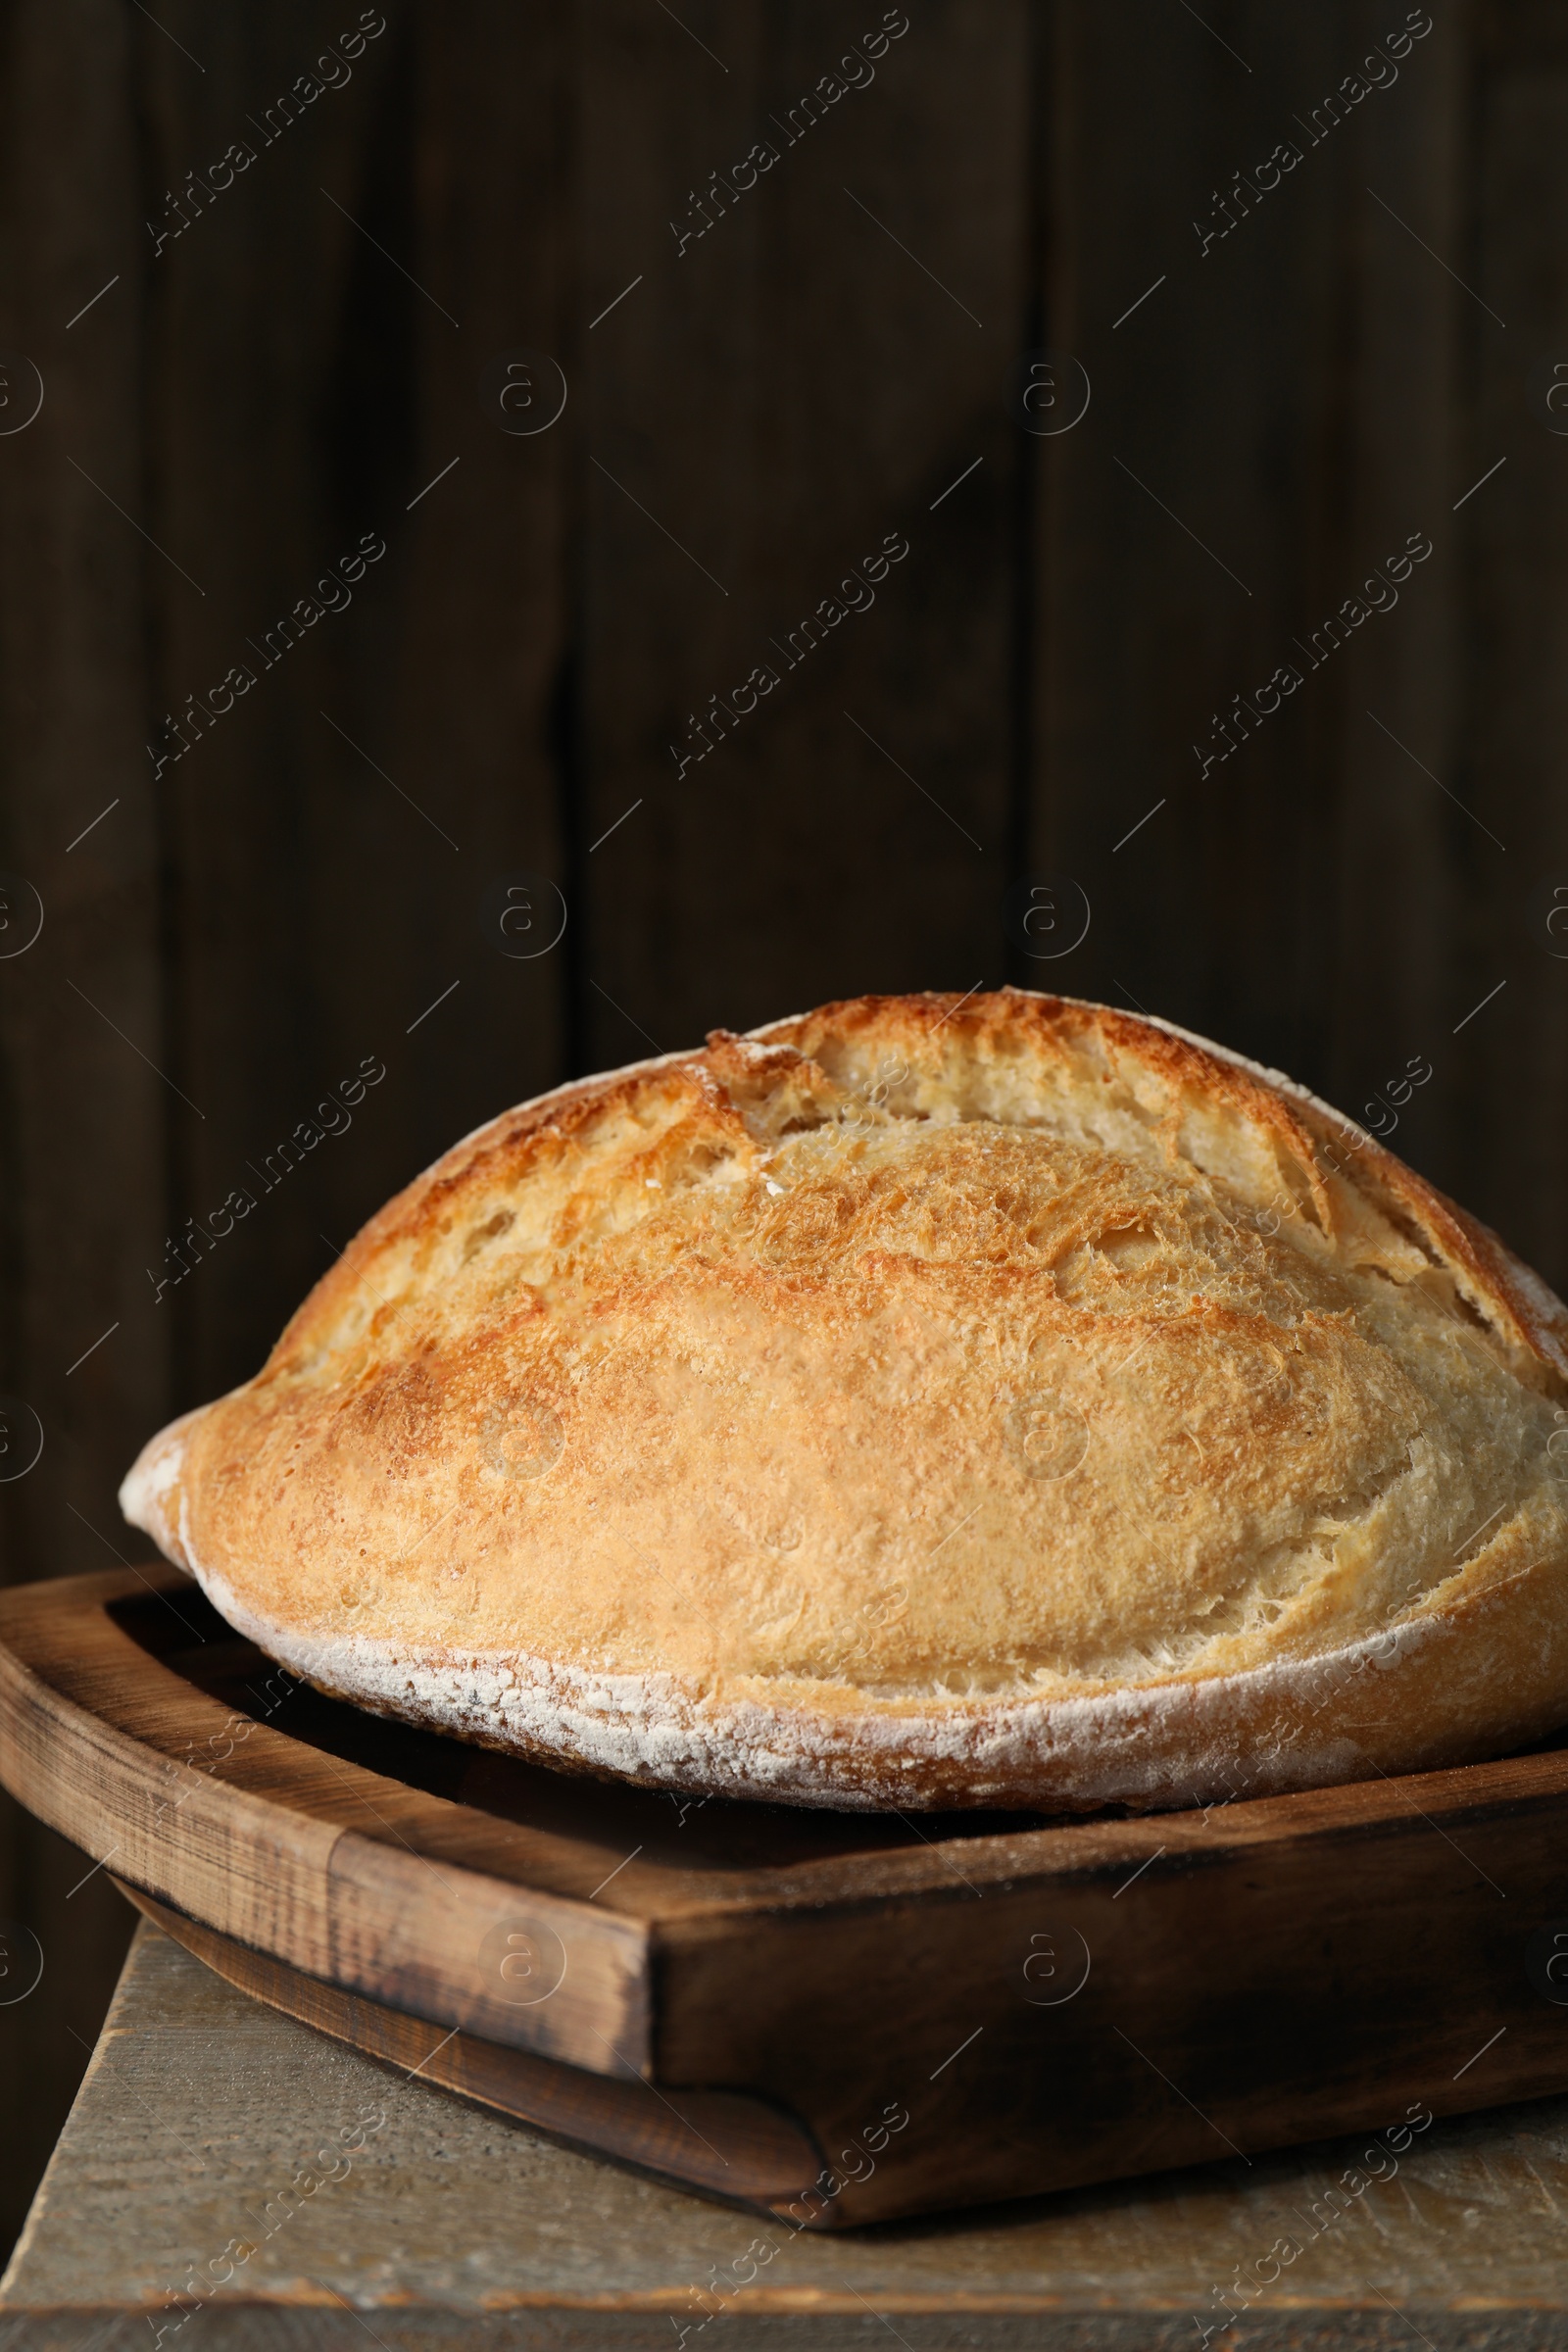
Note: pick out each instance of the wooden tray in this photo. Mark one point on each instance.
(836, 2017)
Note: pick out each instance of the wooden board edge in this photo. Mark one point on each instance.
(325, 1897)
(728, 2144)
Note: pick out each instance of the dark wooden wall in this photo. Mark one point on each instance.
(758, 414)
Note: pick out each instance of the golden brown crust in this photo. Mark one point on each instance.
(925, 1401)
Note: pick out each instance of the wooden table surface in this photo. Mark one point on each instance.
(209, 2125)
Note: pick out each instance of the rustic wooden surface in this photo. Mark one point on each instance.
(1338, 371)
(204, 2111)
(741, 2149)
(1039, 2004)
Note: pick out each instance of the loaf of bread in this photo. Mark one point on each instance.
(921, 1402)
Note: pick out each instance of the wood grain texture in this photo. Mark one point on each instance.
(335, 834)
(782, 392)
(1039, 2004)
(1516, 616)
(204, 2111)
(737, 2148)
(77, 1095)
(1236, 475)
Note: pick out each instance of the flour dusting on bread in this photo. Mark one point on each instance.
(922, 1402)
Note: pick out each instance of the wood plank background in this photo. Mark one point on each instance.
(302, 891)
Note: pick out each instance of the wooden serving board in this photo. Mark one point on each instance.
(835, 2017)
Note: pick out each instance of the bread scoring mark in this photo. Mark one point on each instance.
(478, 1235)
